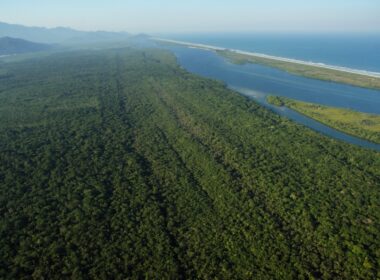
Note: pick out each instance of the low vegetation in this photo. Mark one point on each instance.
(275, 100)
(120, 164)
(306, 70)
(359, 124)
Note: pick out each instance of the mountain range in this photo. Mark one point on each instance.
(58, 35)
(10, 45)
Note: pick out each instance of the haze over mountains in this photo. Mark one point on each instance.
(10, 45)
(125, 158)
(58, 35)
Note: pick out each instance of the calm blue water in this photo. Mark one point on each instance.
(276, 82)
(258, 81)
(357, 51)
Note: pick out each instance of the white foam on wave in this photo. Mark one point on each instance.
(278, 58)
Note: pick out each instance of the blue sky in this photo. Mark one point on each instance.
(197, 15)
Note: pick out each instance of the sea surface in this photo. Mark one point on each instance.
(258, 81)
(356, 51)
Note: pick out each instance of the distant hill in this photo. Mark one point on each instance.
(57, 35)
(141, 36)
(10, 45)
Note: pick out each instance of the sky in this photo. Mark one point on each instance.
(180, 16)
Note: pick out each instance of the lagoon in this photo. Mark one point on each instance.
(258, 81)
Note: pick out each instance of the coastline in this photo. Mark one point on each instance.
(275, 58)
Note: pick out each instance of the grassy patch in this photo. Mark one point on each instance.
(363, 125)
(306, 70)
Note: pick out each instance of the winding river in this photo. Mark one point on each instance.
(258, 81)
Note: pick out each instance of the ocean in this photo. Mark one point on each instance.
(356, 51)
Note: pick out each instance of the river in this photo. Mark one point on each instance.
(258, 81)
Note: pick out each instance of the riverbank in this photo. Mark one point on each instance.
(358, 124)
(360, 78)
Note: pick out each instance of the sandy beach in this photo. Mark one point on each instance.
(289, 60)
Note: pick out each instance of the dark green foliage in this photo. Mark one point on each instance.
(120, 164)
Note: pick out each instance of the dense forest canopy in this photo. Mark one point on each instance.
(119, 164)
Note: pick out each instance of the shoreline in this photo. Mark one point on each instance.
(291, 104)
(283, 111)
(275, 58)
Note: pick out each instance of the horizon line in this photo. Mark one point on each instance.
(187, 31)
